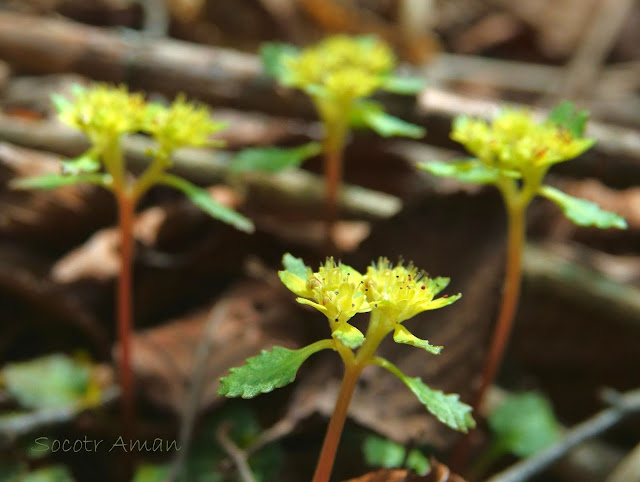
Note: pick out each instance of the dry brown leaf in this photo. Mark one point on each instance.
(163, 357)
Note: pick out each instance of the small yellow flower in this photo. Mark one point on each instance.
(401, 292)
(182, 124)
(515, 142)
(103, 111)
(336, 291)
(343, 67)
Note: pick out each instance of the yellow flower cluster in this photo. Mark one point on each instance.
(343, 67)
(181, 124)
(515, 142)
(393, 293)
(104, 111)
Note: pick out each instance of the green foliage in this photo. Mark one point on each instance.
(296, 266)
(206, 453)
(273, 55)
(446, 408)
(151, 473)
(53, 473)
(86, 163)
(467, 170)
(565, 115)
(267, 371)
(372, 115)
(201, 198)
(381, 452)
(583, 212)
(273, 159)
(11, 471)
(402, 335)
(54, 181)
(404, 85)
(524, 424)
(205, 459)
(50, 381)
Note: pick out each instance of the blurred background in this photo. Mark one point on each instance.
(207, 296)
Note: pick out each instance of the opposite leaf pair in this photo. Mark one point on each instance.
(105, 115)
(514, 152)
(391, 295)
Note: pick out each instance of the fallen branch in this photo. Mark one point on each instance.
(622, 405)
(553, 271)
(203, 166)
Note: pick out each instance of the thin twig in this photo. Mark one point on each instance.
(216, 317)
(584, 66)
(623, 405)
(238, 455)
(204, 166)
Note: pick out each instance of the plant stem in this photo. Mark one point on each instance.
(334, 432)
(512, 281)
(333, 153)
(126, 207)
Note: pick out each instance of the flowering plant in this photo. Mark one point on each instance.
(339, 74)
(514, 152)
(392, 295)
(106, 114)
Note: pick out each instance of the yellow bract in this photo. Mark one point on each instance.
(401, 292)
(344, 67)
(514, 141)
(105, 111)
(181, 124)
(392, 293)
(336, 291)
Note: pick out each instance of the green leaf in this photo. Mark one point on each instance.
(51, 381)
(61, 103)
(418, 462)
(402, 335)
(201, 198)
(372, 114)
(296, 266)
(464, 170)
(446, 408)
(86, 163)
(404, 85)
(152, 473)
(54, 181)
(381, 452)
(524, 424)
(269, 370)
(565, 115)
(583, 212)
(349, 335)
(273, 159)
(53, 473)
(272, 55)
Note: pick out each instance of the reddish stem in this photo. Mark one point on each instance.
(333, 152)
(509, 303)
(334, 432)
(126, 208)
(511, 293)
